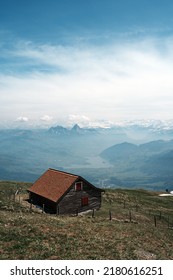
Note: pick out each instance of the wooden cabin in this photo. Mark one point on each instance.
(60, 192)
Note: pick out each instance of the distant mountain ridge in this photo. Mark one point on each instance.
(162, 127)
(119, 152)
(75, 130)
(123, 149)
(155, 157)
(115, 156)
(143, 131)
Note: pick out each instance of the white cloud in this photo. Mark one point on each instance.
(46, 118)
(119, 81)
(78, 119)
(22, 119)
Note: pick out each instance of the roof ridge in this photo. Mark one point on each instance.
(64, 172)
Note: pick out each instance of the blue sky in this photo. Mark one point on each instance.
(85, 61)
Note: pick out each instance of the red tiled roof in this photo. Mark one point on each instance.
(53, 184)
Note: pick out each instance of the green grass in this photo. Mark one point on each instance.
(130, 234)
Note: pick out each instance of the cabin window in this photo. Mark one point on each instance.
(78, 186)
(84, 201)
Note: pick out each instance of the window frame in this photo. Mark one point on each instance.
(77, 189)
(84, 201)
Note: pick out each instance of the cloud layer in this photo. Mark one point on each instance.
(122, 80)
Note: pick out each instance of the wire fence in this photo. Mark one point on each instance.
(127, 212)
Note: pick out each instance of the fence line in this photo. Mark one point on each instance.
(157, 216)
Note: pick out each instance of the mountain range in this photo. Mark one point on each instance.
(154, 157)
(127, 156)
(75, 130)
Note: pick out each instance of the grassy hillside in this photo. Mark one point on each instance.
(132, 224)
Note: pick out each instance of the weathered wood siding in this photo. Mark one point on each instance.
(71, 202)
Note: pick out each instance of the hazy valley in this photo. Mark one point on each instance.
(133, 155)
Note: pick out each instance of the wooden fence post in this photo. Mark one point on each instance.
(130, 216)
(110, 215)
(93, 213)
(155, 221)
